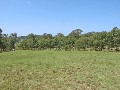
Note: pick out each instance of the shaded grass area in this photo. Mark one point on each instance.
(59, 70)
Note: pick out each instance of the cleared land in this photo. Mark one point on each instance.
(59, 70)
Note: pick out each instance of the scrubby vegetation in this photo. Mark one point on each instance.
(75, 40)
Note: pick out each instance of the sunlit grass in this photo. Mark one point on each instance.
(59, 70)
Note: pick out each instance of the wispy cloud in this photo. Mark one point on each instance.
(28, 2)
(13, 0)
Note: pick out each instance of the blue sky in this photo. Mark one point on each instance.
(58, 16)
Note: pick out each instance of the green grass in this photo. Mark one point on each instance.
(59, 70)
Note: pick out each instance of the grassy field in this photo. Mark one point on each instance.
(59, 70)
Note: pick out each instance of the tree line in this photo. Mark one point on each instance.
(75, 40)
